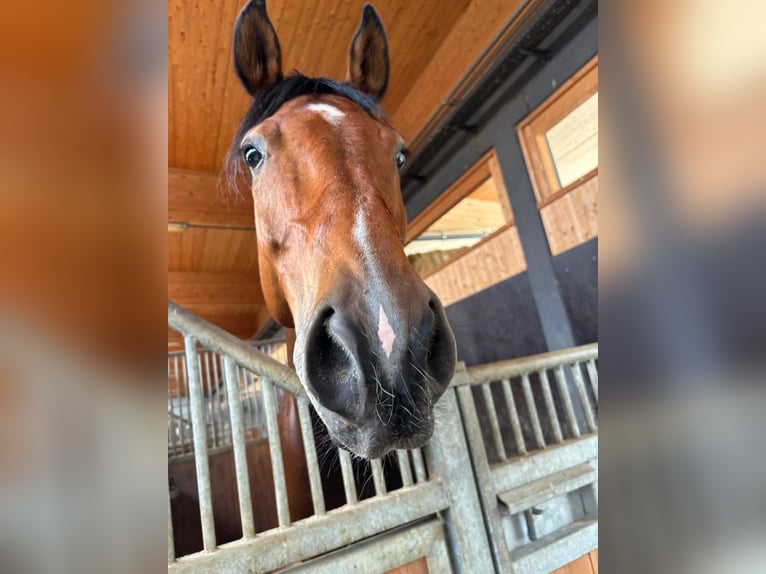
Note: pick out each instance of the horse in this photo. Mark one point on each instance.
(373, 348)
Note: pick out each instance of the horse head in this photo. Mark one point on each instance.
(373, 349)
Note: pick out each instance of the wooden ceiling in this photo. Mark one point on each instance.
(212, 262)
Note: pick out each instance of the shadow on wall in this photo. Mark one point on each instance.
(501, 322)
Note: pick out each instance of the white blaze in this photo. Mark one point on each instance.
(385, 332)
(330, 113)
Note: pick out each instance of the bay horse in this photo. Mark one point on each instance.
(373, 348)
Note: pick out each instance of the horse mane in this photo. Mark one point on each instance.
(270, 98)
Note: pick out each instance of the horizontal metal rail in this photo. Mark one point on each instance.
(218, 340)
(525, 365)
(317, 535)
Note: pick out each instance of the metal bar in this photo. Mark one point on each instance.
(275, 449)
(567, 400)
(179, 414)
(550, 461)
(420, 467)
(378, 478)
(384, 553)
(532, 407)
(223, 343)
(315, 481)
(347, 470)
(493, 536)
(186, 402)
(481, 374)
(200, 445)
(593, 376)
(590, 420)
(220, 388)
(171, 417)
(210, 404)
(510, 404)
(250, 388)
(553, 416)
(279, 547)
(404, 467)
(497, 438)
(238, 446)
(171, 541)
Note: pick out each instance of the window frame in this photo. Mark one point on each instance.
(531, 132)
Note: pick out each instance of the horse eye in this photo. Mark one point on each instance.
(253, 157)
(400, 159)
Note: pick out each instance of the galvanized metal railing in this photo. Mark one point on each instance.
(216, 398)
(429, 486)
(536, 454)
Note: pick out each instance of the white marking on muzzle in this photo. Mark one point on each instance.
(385, 332)
(330, 113)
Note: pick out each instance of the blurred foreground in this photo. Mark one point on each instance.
(83, 156)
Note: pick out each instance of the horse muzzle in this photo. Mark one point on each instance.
(374, 370)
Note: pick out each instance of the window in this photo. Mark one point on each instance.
(466, 240)
(560, 144)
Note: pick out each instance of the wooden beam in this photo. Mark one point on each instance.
(483, 23)
(190, 288)
(199, 198)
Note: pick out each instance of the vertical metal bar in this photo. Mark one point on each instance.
(186, 400)
(378, 478)
(210, 402)
(461, 486)
(349, 486)
(171, 542)
(252, 399)
(532, 407)
(240, 452)
(510, 404)
(275, 448)
(593, 376)
(497, 438)
(178, 413)
(567, 400)
(200, 445)
(217, 376)
(420, 467)
(171, 415)
(553, 416)
(248, 389)
(404, 467)
(307, 431)
(590, 420)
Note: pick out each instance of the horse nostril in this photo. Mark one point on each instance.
(332, 372)
(440, 355)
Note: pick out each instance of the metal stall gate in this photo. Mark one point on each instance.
(438, 510)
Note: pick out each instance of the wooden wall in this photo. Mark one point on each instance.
(496, 258)
(587, 564)
(572, 218)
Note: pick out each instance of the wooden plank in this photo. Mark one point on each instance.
(189, 288)
(200, 198)
(220, 250)
(572, 219)
(490, 261)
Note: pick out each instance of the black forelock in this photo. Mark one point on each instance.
(270, 98)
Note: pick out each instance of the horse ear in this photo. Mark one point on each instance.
(257, 57)
(368, 58)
